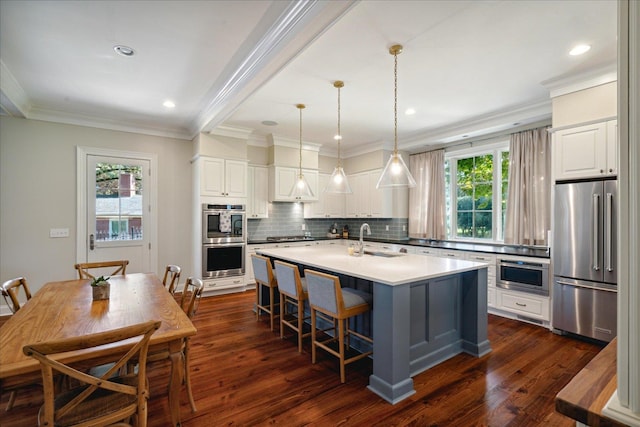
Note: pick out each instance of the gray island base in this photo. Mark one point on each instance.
(425, 309)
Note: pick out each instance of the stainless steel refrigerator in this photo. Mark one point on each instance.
(584, 259)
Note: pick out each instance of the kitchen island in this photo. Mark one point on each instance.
(425, 309)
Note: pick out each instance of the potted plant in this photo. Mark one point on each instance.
(100, 287)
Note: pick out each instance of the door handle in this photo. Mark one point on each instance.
(596, 219)
(92, 242)
(608, 231)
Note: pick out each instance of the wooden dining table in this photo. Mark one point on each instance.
(66, 309)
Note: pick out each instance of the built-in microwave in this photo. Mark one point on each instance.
(223, 223)
(524, 276)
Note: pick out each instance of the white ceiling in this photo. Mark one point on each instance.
(468, 67)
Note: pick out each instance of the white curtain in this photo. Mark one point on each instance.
(528, 215)
(427, 199)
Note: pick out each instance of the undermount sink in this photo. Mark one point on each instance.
(383, 254)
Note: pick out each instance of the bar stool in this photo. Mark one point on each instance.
(326, 296)
(293, 292)
(264, 276)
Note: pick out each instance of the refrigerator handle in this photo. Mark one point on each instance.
(594, 235)
(609, 230)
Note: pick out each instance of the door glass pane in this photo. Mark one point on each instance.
(118, 202)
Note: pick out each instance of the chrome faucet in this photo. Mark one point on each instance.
(363, 227)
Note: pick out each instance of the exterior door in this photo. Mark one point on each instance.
(118, 219)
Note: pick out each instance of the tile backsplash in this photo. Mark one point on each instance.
(286, 219)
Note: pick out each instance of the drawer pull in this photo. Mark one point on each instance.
(520, 304)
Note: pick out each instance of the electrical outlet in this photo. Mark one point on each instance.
(304, 226)
(404, 228)
(386, 228)
(59, 232)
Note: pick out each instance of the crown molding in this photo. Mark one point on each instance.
(231, 132)
(573, 83)
(14, 99)
(274, 140)
(479, 126)
(104, 123)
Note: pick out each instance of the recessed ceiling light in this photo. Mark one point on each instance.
(169, 104)
(269, 123)
(579, 49)
(124, 50)
(410, 111)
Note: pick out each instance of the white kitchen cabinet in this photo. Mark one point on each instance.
(489, 259)
(257, 192)
(369, 202)
(329, 205)
(522, 304)
(586, 151)
(281, 180)
(223, 178)
(227, 285)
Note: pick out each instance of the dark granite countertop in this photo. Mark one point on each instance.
(493, 248)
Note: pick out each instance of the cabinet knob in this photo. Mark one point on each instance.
(610, 170)
(601, 171)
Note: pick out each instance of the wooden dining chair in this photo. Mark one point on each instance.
(293, 293)
(189, 300)
(12, 296)
(265, 277)
(326, 296)
(171, 278)
(115, 267)
(100, 400)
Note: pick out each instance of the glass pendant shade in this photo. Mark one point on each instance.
(338, 182)
(301, 188)
(396, 174)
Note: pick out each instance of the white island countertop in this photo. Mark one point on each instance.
(393, 270)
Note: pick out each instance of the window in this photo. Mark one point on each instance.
(118, 201)
(476, 182)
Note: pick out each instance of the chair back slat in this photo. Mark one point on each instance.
(171, 278)
(114, 268)
(11, 292)
(191, 296)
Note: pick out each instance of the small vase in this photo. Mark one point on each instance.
(101, 292)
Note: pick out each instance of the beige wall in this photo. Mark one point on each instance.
(38, 192)
(595, 103)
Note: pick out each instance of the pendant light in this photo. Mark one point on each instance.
(301, 188)
(338, 181)
(395, 173)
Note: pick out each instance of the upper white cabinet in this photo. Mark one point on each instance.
(257, 192)
(369, 202)
(586, 151)
(281, 180)
(223, 178)
(329, 205)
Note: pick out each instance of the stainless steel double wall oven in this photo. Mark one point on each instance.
(224, 240)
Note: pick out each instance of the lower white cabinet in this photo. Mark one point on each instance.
(229, 284)
(529, 306)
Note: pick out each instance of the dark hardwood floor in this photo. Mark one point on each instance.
(244, 375)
